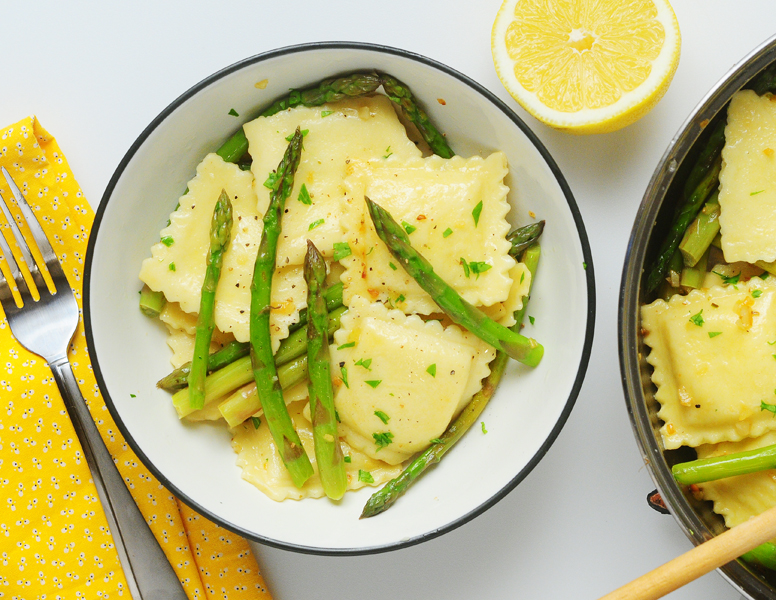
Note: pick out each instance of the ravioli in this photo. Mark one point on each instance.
(337, 133)
(262, 466)
(182, 329)
(177, 267)
(455, 213)
(747, 192)
(401, 380)
(713, 358)
(740, 498)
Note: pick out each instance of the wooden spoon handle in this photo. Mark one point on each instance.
(700, 560)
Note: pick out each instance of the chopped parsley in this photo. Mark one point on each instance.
(483, 427)
(234, 113)
(336, 416)
(326, 113)
(256, 422)
(697, 318)
(291, 137)
(344, 371)
(364, 363)
(755, 193)
(772, 343)
(348, 345)
(407, 227)
(272, 180)
(465, 265)
(479, 267)
(732, 280)
(167, 241)
(401, 298)
(382, 416)
(432, 370)
(476, 213)
(447, 233)
(531, 319)
(373, 383)
(304, 196)
(713, 334)
(584, 266)
(382, 439)
(132, 396)
(438, 441)
(769, 407)
(171, 266)
(341, 250)
(347, 459)
(757, 293)
(522, 277)
(316, 223)
(365, 476)
(387, 152)
(393, 266)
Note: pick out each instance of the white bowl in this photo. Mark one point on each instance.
(195, 461)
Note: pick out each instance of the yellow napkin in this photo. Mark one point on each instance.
(54, 540)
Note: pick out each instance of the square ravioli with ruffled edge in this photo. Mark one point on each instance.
(337, 133)
(399, 381)
(178, 262)
(455, 214)
(713, 357)
(740, 498)
(747, 180)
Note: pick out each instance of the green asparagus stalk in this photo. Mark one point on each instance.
(220, 228)
(329, 90)
(402, 96)
(179, 378)
(241, 405)
(522, 237)
(264, 372)
(333, 296)
(328, 453)
(394, 489)
(151, 302)
(217, 385)
(729, 465)
(692, 277)
(764, 555)
(527, 351)
(705, 161)
(701, 231)
(688, 210)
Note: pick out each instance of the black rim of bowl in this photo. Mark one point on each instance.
(635, 377)
(584, 359)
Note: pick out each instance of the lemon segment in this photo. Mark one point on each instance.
(586, 66)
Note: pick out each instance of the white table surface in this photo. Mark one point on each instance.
(96, 73)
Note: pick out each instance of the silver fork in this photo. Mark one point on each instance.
(46, 327)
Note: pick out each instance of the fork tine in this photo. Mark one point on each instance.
(26, 254)
(6, 296)
(49, 256)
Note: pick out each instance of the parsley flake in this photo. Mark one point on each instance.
(382, 439)
(476, 213)
(769, 407)
(256, 422)
(171, 266)
(755, 193)
(234, 113)
(697, 318)
(272, 180)
(713, 334)
(479, 267)
(401, 298)
(382, 416)
(132, 396)
(407, 227)
(316, 223)
(373, 383)
(447, 233)
(483, 427)
(584, 266)
(531, 319)
(465, 265)
(432, 370)
(365, 363)
(763, 275)
(522, 276)
(732, 280)
(167, 241)
(344, 372)
(347, 459)
(304, 196)
(291, 137)
(341, 250)
(326, 113)
(348, 345)
(387, 152)
(393, 266)
(365, 476)
(757, 293)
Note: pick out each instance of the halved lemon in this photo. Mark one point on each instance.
(586, 66)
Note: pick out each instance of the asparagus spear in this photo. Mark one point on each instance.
(766, 81)
(527, 351)
(328, 90)
(394, 489)
(692, 277)
(151, 302)
(333, 294)
(220, 228)
(729, 465)
(264, 372)
(764, 555)
(701, 231)
(401, 95)
(522, 237)
(687, 211)
(328, 453)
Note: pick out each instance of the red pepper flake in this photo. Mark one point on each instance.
(421, 218)
(441, 101)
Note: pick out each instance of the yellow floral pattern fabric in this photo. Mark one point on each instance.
(54, 539)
